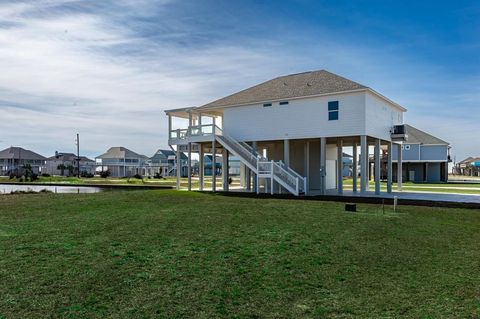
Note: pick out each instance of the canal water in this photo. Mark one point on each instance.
(9, 188)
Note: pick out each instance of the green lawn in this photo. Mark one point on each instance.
(168, 254)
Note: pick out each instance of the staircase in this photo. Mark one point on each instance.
(263, 168)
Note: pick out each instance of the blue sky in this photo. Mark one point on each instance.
(108, 69)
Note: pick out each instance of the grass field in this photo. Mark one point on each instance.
(168, 254)
(454, 188)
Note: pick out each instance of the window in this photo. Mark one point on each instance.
(333, 110)
(283, 103)
(267, 104)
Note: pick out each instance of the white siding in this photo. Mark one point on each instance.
(381, 116)
(302, 118)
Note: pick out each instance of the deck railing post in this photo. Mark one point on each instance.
(271, 176)
(297, 186)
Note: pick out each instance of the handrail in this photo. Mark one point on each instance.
(285, 175)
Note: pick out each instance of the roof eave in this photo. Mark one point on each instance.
(206, 108)
(387, 99)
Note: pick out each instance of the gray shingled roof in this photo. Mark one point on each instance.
(289, 86)
(68, 157)
(164, 154)
(417, 136)
(120, 152)
(18, 152)
(470, 159)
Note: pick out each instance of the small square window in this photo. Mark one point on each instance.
(283, 103)
(333, 115)
(333, 106)
(267, 104)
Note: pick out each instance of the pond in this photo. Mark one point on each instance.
(9, 188)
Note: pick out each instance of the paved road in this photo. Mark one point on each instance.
(457, 198)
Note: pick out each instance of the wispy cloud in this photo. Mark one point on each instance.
(108, 69)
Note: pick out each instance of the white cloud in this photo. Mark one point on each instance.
(69, 66)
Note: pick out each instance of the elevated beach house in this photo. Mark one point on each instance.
(163, 162)
(121, 162)
(290, 132)
(13, 160)
(67, 164)
(425, 157)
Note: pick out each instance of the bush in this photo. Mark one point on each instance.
(12, 176)
(138, 176)
(158, 175)
(45, 175)
(86, 174)
(105, 174)
(33, 177)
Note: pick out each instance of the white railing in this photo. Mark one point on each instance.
(284, 175)
(303, 180)
(202, 130)
(264, 167)
(238, 148)
(179, 134)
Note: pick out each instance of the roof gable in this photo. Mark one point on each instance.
(20, 153)
(290, 86)
(68, 157)
(121, 152)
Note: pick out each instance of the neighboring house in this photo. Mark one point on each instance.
(208, 165)
(13, 160)
(290, 132)
(425, 157)
(121, 162)
(163, 162)
(468, 167)
(347, 165)
(65, 164)
(234, 165)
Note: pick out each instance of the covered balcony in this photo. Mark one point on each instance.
(193, 127)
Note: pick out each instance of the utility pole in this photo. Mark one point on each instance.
(78, 155)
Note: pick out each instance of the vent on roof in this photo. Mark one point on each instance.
(309, 84)
(283, 103)
(267, 104)
(285, 84)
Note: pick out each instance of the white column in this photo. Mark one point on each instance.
(355, 167)
(214, 166)
(340, 167)
(426, 172)
(377, 166)
(201, 167)
(307, 164)
(399, 167)
(363, 163)
(179, 167)
(189, 164)
(323, 165)
(255, 176)
(389, 168)
(286, 152)
(169, 125)
(225, 170)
